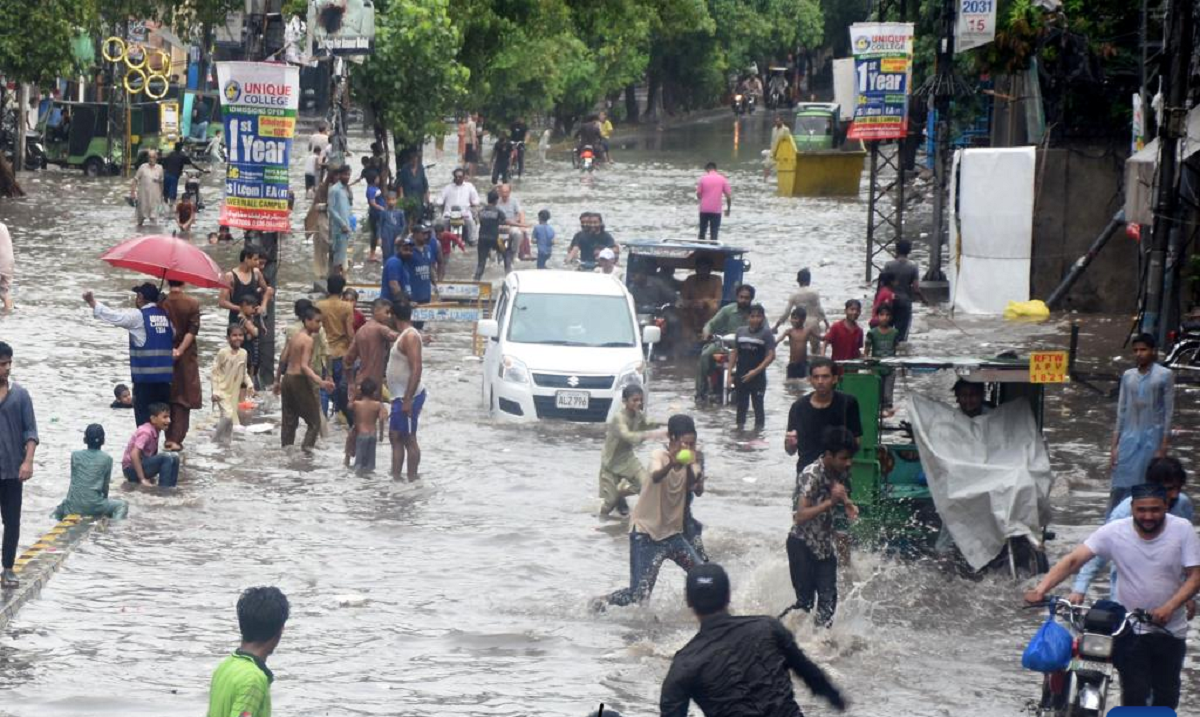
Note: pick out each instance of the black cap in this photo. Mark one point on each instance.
(1149, 490)
(707, 588)
(420, 227)
(148, 292)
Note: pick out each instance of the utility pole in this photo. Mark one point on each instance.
(885, 202)
(943, 89)
(266, 40)
(1161, 302)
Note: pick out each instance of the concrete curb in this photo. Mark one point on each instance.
(42, 559)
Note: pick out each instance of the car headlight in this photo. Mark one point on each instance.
(1095, 647)
(630, 375)
(513, 370)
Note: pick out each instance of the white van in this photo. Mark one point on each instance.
(563, 344)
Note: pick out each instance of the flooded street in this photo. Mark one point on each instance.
(467, 594)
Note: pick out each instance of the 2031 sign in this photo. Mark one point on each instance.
(977, 6)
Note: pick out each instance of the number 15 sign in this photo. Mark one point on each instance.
(976, 24)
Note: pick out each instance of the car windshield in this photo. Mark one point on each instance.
(813, 126)
(571, 320)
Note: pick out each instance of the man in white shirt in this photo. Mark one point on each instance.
(461, 193)
(1157, 557)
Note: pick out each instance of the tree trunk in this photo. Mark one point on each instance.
(631, 104)
(653, 97)
(22, 110)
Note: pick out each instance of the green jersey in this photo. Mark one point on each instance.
(241, 687)
(727, 320)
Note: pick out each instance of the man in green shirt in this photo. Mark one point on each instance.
(241, 686)
(727, 320)
(621, 473)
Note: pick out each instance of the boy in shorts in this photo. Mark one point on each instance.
(797, 337)
(370, 417)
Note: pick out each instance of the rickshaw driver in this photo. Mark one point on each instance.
(699, 298)
(969, 396)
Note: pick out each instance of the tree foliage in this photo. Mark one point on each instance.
(413, 77)
(41, 50)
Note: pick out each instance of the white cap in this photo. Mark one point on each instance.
(607, 254)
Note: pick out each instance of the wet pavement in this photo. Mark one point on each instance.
(466, 594)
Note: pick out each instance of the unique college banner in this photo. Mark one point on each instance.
(883, 54)
(259, 101)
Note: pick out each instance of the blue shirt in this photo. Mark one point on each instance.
(543, 235)
(17, 428)
(395, 270)
(1183, 509)
(420, 270)
(391, 227)
(372, 197)
(339, 209)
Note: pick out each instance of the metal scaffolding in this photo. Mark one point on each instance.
(885, 205)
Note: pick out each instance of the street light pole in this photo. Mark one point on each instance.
(943, 91)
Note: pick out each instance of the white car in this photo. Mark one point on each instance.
(563, 344)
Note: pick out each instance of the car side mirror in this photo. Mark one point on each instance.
(651, 334)
(488, 328)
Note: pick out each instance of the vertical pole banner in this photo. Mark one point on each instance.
(883, 54)
(976, 25)
(259, 101)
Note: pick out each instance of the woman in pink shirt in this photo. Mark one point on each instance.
(709, 190)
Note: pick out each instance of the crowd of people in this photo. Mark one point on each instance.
(370, 372)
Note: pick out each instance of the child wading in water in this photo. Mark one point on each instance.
(370, 421)
(797, 337)
(91, 470)
(229, 380)
(881, 343)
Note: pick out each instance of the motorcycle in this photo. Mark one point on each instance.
(1081, 690)
(717, 380)
(1185, 347)
(191, 185)
(743, 104)
(587, 158)
(457, 222)
(35, 152)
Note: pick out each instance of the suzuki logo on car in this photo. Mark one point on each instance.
(573, 381)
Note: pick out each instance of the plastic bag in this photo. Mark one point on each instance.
(1050, 648)
(1035, 310)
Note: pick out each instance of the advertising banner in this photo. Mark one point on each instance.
(341, 27)
(259, 102)
(883, 54)
(976, 24)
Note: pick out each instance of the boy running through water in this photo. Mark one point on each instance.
(753, 351)
(142, 462)
(657, 525)
(621, 473)
(881, 343)
(241, 684)
(370, 418)
(797, 338)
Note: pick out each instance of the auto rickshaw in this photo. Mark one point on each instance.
(650, 275)
(76, 134)
(899, 475)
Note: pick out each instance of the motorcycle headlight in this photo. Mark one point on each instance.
(513, 370)
(737, 97)
(1095, 647)
(631, 375)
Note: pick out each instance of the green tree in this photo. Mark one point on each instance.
(41, 50)
(413, 80)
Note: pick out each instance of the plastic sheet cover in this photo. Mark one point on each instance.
(989, 475)
(991, 228)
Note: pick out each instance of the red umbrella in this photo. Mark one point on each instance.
(166, 258)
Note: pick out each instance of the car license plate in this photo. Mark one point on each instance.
(572, 400)
(1081, 665)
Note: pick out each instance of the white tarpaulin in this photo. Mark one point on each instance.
(991, 228)
(989, 475)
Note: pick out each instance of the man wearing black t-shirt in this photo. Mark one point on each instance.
(591, 238)
(812, 413)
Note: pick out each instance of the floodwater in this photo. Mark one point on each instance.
(467, 594)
